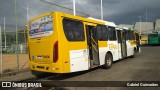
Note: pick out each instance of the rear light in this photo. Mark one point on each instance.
(55, 52)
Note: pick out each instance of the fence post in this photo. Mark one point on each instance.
(16, 34)
(1, 50)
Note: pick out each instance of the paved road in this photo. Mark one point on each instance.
(144, 67)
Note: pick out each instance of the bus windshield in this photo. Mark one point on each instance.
(41, 27)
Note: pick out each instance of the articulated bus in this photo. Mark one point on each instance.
(64, 43)
(154, 39)
(126, 40)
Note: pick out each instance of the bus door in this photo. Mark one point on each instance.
(119, 37)
(92, 43)
(124, 45)
(122, 48)
(137, 41)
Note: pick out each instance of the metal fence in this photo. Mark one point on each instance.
(14, 56)
(9, 41)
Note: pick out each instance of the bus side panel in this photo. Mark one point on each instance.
(103, 48)
(119, 51)
(113, 48)
(79, 60)
(130, 48)
(131, 45)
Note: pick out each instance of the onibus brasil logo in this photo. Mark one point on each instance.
(23, 84)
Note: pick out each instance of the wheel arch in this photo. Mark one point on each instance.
(109, 52)
(108, 65)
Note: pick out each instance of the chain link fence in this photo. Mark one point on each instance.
(9, 52)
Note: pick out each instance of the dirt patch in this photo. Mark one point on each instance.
(9, 62)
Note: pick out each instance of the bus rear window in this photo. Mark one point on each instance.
(41, 27)
(153, 35)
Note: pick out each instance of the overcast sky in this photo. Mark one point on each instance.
(118, 11)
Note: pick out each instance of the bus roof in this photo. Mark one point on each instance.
(106, 22)
(69, 16)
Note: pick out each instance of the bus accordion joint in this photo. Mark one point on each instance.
(55, 52)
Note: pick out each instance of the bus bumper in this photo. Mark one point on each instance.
(50, 68)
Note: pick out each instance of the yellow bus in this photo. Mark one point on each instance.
(63, 43)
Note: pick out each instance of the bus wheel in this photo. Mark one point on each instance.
(108, 61)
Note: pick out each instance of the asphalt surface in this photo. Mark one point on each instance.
(144, 67)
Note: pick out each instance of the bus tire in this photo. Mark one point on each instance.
(108, 61)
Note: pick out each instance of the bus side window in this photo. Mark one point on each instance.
(105, 33)
(112, 34)
(99, 32)
(127, 35)
(79, 31)
(132, 36)
(74, 30)
(119, 36)
(102, 33)
(68, 29)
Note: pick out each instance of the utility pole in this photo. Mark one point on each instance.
(140, 25)
(146, 15)
(101, 10)
(27, 14)
(146, 21)
(5, 44)
(27, 22)
(74, 7)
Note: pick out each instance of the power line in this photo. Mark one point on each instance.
(63, 7)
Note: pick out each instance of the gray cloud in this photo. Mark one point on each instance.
(118, 11)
